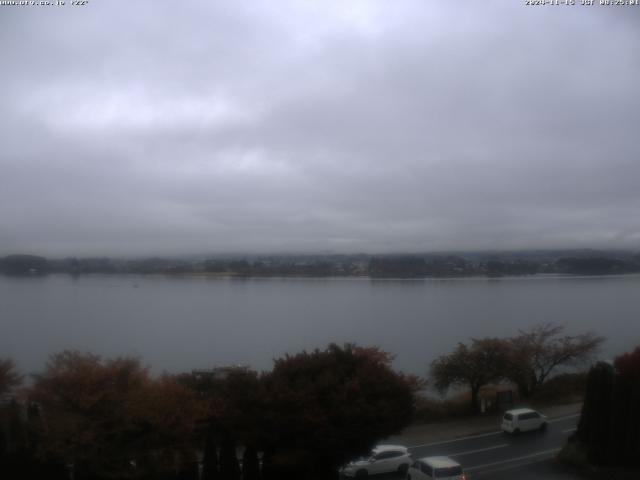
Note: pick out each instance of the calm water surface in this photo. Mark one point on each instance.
(176, 324)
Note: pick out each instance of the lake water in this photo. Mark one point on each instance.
(177, 324)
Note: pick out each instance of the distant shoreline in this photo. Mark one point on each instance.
(524, 264)
(231, 275)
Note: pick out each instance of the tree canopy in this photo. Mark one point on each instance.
(473, 366)
(527, 360)
(110, 418)
(328, 406)
(628, 365)
(536, 353)
(104, 416)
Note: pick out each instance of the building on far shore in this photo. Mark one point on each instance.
(219, 373)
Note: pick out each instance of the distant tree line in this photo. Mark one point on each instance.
(381, 266)
(597, 266)
(456, 266)
(527, 360)
(85, 417)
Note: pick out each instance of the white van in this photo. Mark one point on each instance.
(436, 468)
(523, 420)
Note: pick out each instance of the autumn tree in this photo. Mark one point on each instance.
(628, 365)
(328, 406)
(536, 353)
(106, 417)
(471, 366)
(170, 416)
(86, 405)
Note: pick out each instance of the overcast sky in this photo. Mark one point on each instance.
(151, 127)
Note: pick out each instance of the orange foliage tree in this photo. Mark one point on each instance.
(110, 418)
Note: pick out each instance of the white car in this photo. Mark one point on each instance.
(522, 420)
(441, 468)
(383, 459)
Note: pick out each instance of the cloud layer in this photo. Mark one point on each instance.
(373, 126)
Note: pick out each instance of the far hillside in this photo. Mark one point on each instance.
(424, 265)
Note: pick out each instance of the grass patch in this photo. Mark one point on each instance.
(562, 389)
(429, 409)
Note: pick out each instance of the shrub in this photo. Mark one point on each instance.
(566, 387)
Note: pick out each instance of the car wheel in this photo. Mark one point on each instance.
(402, 469)
(516, 431)
(362, 474)
(543, 427)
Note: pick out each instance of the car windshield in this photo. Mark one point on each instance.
(508, 416)
(448, 471)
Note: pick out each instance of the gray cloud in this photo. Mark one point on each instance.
(341, 126)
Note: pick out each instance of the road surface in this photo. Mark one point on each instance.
(496, 455)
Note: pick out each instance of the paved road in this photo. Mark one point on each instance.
(546, 469)
(486, 454)
(496, 455)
